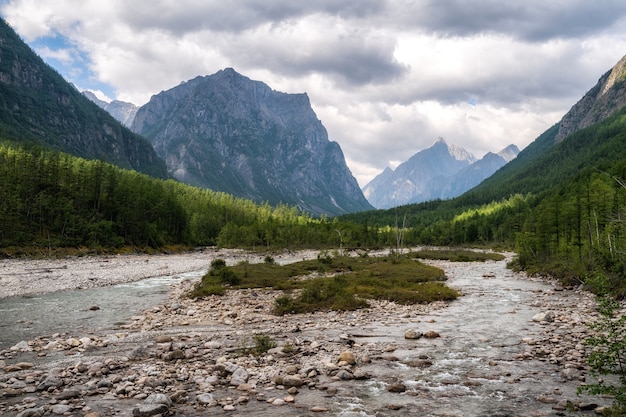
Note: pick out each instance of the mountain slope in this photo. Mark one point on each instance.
(548, 160)
(39, 106)
(420, 178)
(229, 133)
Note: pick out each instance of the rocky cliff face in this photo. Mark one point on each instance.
(439, 172)
(602, 101)
(37, 105)
(229, 133)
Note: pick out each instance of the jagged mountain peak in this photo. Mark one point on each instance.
(457, 152)
(441, 171)
(229, 133)
(419, 178)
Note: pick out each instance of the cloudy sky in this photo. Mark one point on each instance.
(385, 77)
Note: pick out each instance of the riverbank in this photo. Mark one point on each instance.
(21, 277)
(510, 346)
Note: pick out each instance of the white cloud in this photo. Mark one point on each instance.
(386, 78)
(62, 55)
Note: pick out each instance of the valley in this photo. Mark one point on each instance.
(228, 165)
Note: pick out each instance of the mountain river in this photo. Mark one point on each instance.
(476, 368)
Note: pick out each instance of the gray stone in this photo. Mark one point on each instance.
(543, 317)
(61, 409)
(344, 375)
(49, 382)
(69, 394)
(206, 399)
(139, 352)
(31, 412)
(361, 374)
(240, 376)
(163, 339)
(292, 381)
(174, 355)
(22, 346)
(571, 373)
(149, 410)
(587, 406)
(318, 409)
(159, 399)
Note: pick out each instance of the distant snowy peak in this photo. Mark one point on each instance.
(122, 111)
(458, 153)
(509, 153)
(439, 172)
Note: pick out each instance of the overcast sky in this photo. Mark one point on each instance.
(386, 78)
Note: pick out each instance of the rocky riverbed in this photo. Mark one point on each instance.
(509, 346)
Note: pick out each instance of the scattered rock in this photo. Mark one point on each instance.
(163, 339)
(206, 399)
(61, 409)
(32, 412)
(149, 410)
(412, 334)
(543, 317)
(21, 347)
(292, 381)
(431, 334)
(50, 382)
(344, 375)
(347, 357)
(396, 387)
(239, 377)
(69, 394)
(153, 405)
(318, 409)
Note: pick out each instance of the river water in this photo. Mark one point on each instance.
(474, 368)
(81, 311)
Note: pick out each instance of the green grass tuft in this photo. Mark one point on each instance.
(334, 283)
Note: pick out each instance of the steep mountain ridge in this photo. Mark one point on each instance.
(39, 106)
(602, 101)
(229, 133)
(441, 171)
(548, 159)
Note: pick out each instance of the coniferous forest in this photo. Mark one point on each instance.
(569, 222)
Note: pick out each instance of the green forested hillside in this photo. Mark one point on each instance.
(38, 106)
(53, 200)
(50, 199)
